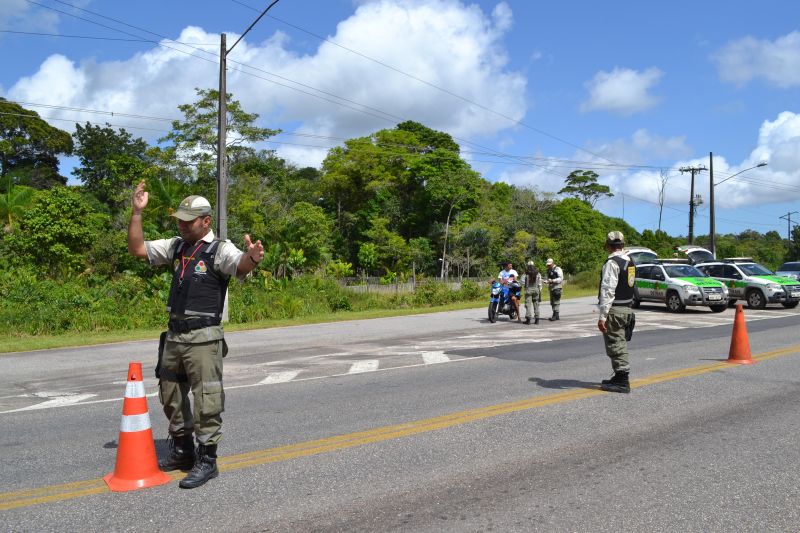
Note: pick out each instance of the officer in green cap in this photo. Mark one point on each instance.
(191, 351)
(614, 304)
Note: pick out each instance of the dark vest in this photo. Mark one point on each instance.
(201, 293)
(623, 294)
(552, 274)
(530, 279)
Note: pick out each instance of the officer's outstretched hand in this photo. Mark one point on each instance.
(254, 250)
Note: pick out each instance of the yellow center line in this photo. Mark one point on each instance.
(78, 489)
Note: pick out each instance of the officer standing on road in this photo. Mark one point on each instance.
(555, 282)
(532, 281)
(614, 303)
(192, 349)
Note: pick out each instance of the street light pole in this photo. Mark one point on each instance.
(222, 129)
(712, 185)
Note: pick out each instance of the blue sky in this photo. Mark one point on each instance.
(531, 90)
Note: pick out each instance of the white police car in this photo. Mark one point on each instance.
(754, 283)
(678, 284)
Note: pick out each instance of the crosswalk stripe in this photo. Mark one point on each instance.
(279, 377)
(431, 358)
(370, 365)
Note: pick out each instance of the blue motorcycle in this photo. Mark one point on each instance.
(500, 301)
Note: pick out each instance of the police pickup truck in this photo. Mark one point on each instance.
(677, 284)
(752, 282)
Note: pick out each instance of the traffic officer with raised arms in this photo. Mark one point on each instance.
(191, 351)
(616, 317)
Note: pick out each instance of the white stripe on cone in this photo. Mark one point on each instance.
(134, 389)
(132, 423)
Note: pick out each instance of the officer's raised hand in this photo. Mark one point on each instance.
(140, 198)
(253, 254)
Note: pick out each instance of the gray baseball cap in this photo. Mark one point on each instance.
(615, 237)
(192, 207)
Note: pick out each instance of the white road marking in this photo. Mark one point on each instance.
(432, 358)
(279, 377)
(370, 365)
(55, 402)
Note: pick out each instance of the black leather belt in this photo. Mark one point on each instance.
(191, 324)
(621, 305)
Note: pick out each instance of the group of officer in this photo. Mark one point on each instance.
(532, 282)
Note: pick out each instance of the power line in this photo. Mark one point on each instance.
(312, 88)
(446, 91)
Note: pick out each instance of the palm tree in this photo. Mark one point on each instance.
(14, 203)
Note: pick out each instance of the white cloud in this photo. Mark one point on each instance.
(642, 146)
(444, 42)
(777, 62)
(19, 15)
(779, 181)
(622, 91)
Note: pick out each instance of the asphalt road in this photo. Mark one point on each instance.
(439, 422)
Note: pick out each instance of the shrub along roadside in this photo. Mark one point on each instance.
(32, 307)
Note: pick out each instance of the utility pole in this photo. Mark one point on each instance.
(222, 135)
(712, 230)
(692, 201)
(788, 217)
(222, 130)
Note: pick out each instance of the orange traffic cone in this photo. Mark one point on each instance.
(740, 344)
(137, 466)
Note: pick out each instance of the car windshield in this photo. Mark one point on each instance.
(700, 256)
(790, 266)
(639, 258)
(683, 271)
(754, 269)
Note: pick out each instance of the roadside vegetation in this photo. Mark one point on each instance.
(397, 204)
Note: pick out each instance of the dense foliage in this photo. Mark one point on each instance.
(398, 203)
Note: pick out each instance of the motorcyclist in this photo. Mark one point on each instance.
(508, 276)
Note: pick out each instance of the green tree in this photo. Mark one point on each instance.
(194, 138)
(58, 234)
(14, 202)
(29, 147)
(582, 184)
(308, 228)
(103, 152)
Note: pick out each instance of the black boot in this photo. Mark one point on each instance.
(557, 317)
(619, 382)
(536, 321)
(205, 467)
(554, 317)
(527, 320)
(181, 454)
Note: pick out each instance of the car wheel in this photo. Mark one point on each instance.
(674, 304)
(756, 300)
(790, 305)
(731, 303)
(719, 308)
(636, 303)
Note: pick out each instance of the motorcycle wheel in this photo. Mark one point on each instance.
(492, 312)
